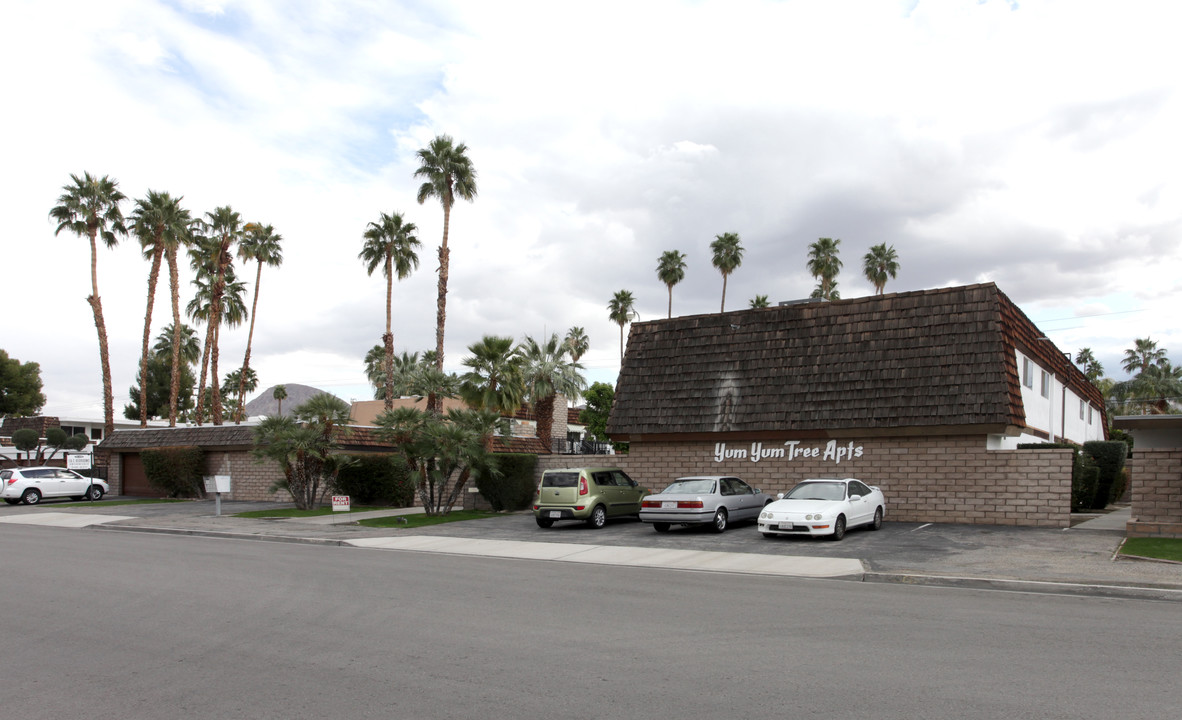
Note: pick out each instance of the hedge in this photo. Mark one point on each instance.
(377, 480)
(1110, 459)
(511, 486)
(175, 471)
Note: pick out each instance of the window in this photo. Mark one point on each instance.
(1089, 414)
(1082, 405)
(1045, 384)
(96, 434)
(73, 430)
(1027, 373)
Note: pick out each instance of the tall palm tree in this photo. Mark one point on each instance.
(243, 380)
(824, 265)
(447, 173)
(494, 379)
(547, 372)
(1091, 367)
(878, 264)
(671, 270)
(224, 227)
(391, 243)
(205, 256)
(190, 346)
(172, 246)
(621, 310)
(262, 244)
(728, 256)
(89, 207)
(1143, 355)
(759, 301)
(280, 394)
(159, 223)
(577, 343)
(406, 368)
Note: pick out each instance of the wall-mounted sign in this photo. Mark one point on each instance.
(790, 450)
(78, 461)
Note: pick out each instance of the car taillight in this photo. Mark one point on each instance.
(11, 480)
(689, 503)
(651, 504)
(583, 486)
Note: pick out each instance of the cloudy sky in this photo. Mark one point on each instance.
(1030, 143)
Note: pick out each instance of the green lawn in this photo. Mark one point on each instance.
(145, 501)
(417, 521)
(292, 512)
(1160, 548)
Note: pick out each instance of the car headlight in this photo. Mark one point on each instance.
(765, 516)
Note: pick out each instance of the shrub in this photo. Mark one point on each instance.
(1110, 458)
(511, 486)
(1124, 436)
(175, 471)
(377, 480)
(1085, 478)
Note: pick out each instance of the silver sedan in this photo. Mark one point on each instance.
(714, 499)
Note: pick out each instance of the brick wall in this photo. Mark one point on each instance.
(945, 479)
(1157, 493)
(249, 480)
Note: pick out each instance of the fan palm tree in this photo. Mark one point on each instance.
(621, 311)
(671, 270)
(224, 227)
(759, 301)
(494, 380)
(89, 207)
(728, 256)
(1091, 367)
(243, 380)
(261, 244)
(205, 256)
(159, 223)
(280, 394)
(448, 174)
(1143, 355)
(824, 265)
(878, 264)
(577, 343)
(189, 346)
(820, 293)
(390, 243)
(547, 372)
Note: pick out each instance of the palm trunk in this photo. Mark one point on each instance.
(100, 325)
(241, 414)
(544, 409)
(441, 303)
(388, 338)
(215, 322)
(204, 372)
(722, 308)
(174, 389)
(621, 344)
(153, 274)
(670, 316)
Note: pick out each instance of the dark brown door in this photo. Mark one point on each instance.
(135, 481)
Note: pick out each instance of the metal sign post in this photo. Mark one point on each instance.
(217, 484)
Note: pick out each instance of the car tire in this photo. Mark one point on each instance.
(94, 493)
(31, 497)
(877, 523)
(768, 535)
(838, 528)
(598, 517)
(11, 501)
(543, 522)
(718, 524)
(661, 527)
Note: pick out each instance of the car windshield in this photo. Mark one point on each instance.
(689, 487)
(817, 491)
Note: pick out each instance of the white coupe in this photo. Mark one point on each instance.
(824, 507)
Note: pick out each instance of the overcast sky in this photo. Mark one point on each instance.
(1034, 144)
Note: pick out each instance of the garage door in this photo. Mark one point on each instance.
(135, 481)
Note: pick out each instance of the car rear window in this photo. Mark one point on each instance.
(560, 479)
(5, 474)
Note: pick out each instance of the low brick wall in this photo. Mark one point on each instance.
(1157, 494)
(249, 479)
(942, 479)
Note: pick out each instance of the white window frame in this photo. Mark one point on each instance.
(1028, 373)
(1045, 384)
(1089, 413)
(1082, 405)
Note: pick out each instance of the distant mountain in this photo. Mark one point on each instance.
(266, 404)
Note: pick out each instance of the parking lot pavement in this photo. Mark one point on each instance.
(899, 552)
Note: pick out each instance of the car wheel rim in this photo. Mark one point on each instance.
(720, 521)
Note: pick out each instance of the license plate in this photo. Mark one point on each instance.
(669, 505)
(555, 513)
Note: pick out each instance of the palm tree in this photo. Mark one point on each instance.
(878, 264)
(621, 311)
(824, 265)
(759, 301)
(203, 257)
(577, 343)
(671, 270)
(189, 346)
(391, 243)
(820, 293)
(244, 380)
(406, 368)
(1143, 355)
(225, 228)
(547, 372)
(1152, 390)
(728, 256)
(494, 381)
(1089, 364)
(159, 223)
(280, 394)
(89, 207)
(262, 244)
(448, 173)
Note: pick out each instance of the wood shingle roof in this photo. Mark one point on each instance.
(928, 359)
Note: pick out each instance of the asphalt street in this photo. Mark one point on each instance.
(138, 625)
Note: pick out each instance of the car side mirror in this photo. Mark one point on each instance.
(855, 497)
(779, 496)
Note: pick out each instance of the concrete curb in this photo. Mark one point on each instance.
(1043, 587)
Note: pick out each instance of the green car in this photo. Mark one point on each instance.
(591, 495)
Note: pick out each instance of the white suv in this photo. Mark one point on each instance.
(29, 485)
